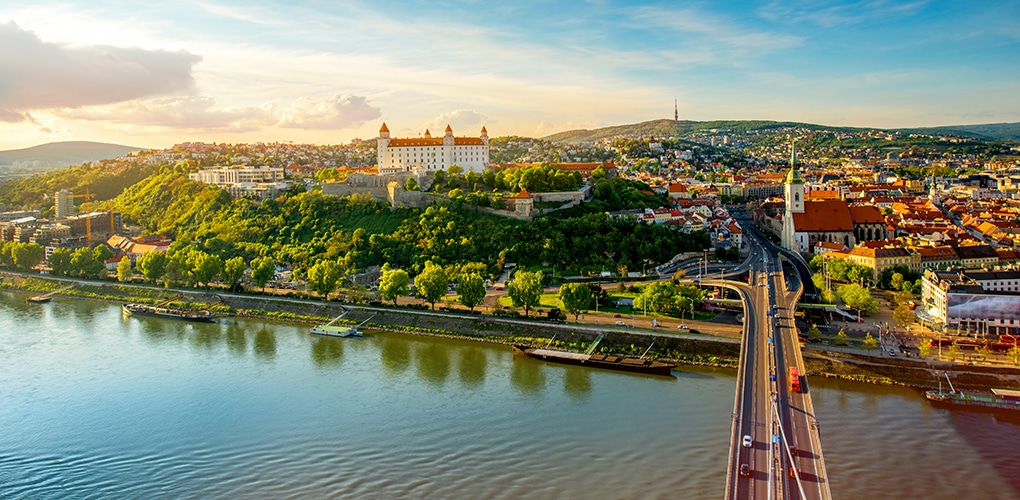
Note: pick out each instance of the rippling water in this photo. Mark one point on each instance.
(94, 404)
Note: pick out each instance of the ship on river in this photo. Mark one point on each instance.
(607, 361)
(168, 312)
(1002, 399)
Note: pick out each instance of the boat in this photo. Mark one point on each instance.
(332, 330)
(1003, 399)
(39, 299)
(167, 312)
(607, 361)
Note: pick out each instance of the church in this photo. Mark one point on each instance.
(807, 222)
(429, 154)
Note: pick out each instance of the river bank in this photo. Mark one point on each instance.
(687, 349)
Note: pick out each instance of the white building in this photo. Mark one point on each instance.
(225, 176)
(429, 154)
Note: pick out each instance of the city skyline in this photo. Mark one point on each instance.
(273, 72)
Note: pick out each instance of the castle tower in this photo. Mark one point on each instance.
(484, 136)
(381, 144)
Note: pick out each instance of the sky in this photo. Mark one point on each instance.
(153, 74)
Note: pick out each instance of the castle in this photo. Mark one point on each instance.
(429, 154)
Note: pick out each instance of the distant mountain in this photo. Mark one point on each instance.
(673, 128)
(990, 131)
(63, 154)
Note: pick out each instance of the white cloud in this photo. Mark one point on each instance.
(38, 75)
(336, 112)
(463, 122)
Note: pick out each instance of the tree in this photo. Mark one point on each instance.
(432, 283)
(471, 288)
(152, 265)
(954, 351)
(84, 264)
(324, 277)
(262, 270)
(124, 273)
(924, 349)
(903, 297)
(393, 283)
(841, 338)
(60, 260)
(575, 298)
(233, 270)
(411, 184)
(525, 290)
(896, 282)
(27, 255)
(1015, 352)
(869, 341)
(903, 316)
(813, 333)
(206, 267)
(102, 253)
(858, 297)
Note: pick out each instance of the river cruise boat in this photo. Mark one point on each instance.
(165, 312)
(607, 361)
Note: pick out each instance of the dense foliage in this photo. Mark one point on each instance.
(103, 182)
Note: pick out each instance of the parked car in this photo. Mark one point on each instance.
(621, 323)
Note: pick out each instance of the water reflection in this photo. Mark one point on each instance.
(327, 352)
(473, 365)
(265, 343)
(577, 383)
(237, 341)
(203, 338)
(395, 354)
(434, 362)
(527, 376)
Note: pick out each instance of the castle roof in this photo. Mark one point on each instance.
(523, 195)
(384, 129)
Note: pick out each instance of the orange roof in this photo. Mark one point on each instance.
(523, 194)
(822, 216)
(866, 214)
(448, 129)
(384, 129)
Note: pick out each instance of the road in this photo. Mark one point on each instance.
(784, 459)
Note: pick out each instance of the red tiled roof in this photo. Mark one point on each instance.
(823, 216)
(866, 214)
(523, 195)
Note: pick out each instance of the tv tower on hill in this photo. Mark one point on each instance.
(676, 111)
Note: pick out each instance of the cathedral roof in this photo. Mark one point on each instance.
(823, 216)
(866, 214)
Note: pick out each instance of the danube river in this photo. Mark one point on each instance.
(95, 404)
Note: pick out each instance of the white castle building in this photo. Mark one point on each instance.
(428, 154)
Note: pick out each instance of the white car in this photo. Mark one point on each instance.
(747, 441)
(621, 323)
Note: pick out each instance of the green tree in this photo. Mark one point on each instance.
(841, 338)
(1015, 353)
(903, 297)
(953, 351)
(84, 264)
(124, 273)
(575, 298)
(924, 349)
(102, 253)
(152, 265)
(324, 277)
(59, 261)
(27, 255)
(471, 288)
(813, 333)
(393, 283)
(903, 316)
(233, 270)
(896, 282)
(206, 267)
(262, 270)
(525, 289)
(410, 184)
(869, 341)
(432, 283)
(858, 297)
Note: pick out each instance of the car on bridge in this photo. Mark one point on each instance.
(745, 470)
(747, 441)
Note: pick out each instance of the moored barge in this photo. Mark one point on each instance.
(168, 312)
(607, 361)
(1001, 399)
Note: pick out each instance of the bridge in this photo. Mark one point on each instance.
(775, 450)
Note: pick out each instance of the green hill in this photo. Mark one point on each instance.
(674, 128)
(63, 154)
(990, 131)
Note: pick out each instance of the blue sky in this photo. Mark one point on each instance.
(157, 73)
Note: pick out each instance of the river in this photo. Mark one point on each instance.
(96, 404)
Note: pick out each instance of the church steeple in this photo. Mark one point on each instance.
(794, 189)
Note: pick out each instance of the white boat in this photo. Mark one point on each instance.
(333, 330)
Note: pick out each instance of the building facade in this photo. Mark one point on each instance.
(429, 154)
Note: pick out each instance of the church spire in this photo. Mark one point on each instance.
(793, 176)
